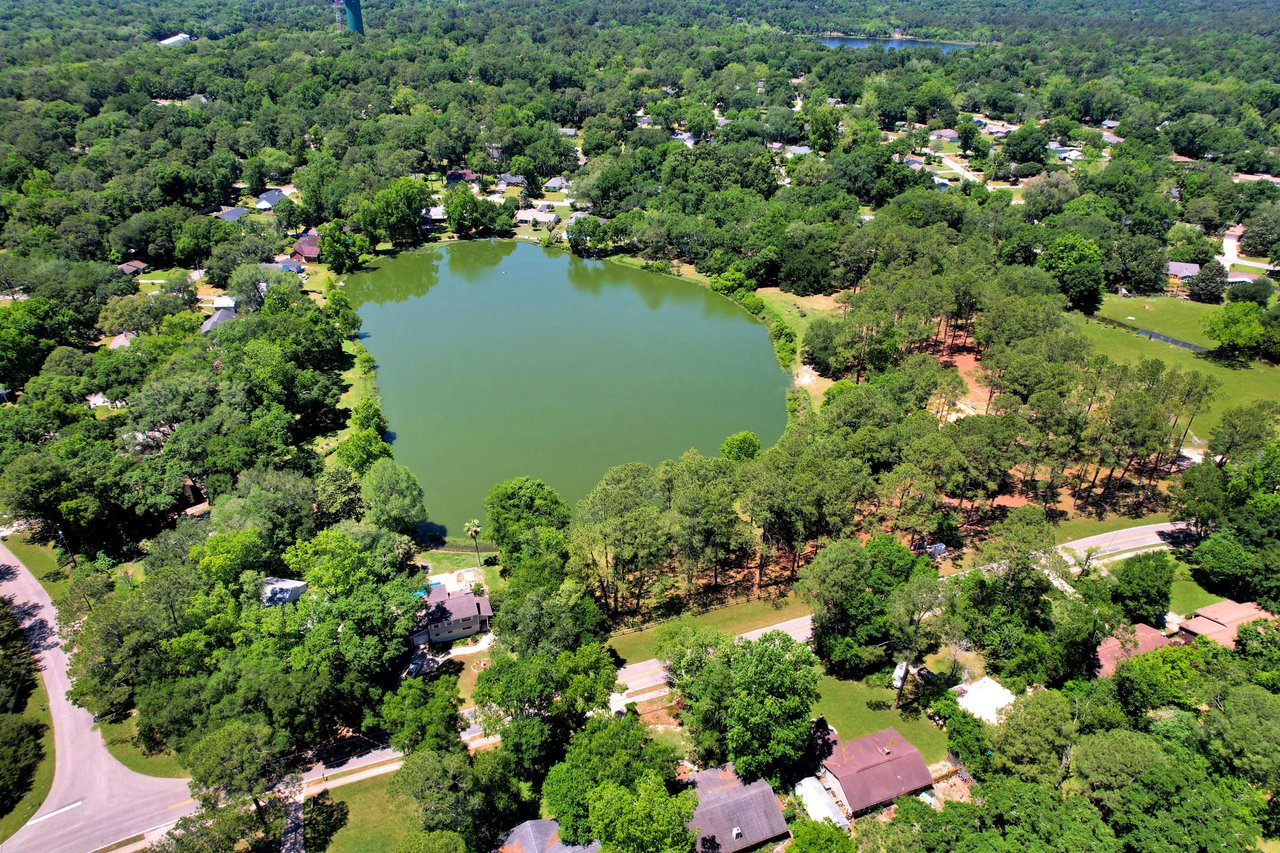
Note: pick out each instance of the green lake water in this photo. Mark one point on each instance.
(498, 359)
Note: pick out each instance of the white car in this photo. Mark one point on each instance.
(899, 674)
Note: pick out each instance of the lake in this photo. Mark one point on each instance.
(498, 359)
(856, 42)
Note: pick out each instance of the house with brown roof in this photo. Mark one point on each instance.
(306, 249)
(731, 816)
(1117, 648)
(541, 836)
(451, 615)
(134, 267)
(1220, 622)
(872, 771)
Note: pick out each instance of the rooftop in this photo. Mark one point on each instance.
(732, 816)
(541, 836)
(1220, 622)
(875, 769)
(1112, 651)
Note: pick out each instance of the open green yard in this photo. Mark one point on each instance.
(376, 822)
(1188, 597)
(1176, 318)
(38, 710)
(120, 742)
(39, 559)
(1082, 526)
(854, 709)
(1239, 385)
(736, 619)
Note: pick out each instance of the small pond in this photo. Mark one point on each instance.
(857, 42)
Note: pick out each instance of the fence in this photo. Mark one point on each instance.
(1147, 333)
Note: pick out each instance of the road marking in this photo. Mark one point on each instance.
(176, 805)
(55, 812)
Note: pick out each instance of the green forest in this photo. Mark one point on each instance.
(963, 254)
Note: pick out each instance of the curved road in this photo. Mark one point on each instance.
(95, 800)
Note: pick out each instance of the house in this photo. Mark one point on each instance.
(281, 591)
(1071, 155)
(568, 132)
(731, 816)
(915, 164)
(1242, 277)
(231, 214)
(1111, 138)
(306, 249)
(556, 185)
(1110, 124)
(946, 134)
(512, 180)
(541, 836)
(121, 340)
(871, 771)
(451, 615)
(216, 319)
(984, 698)
(174, 41)
(538, 217)
(1117, 648)
(460, 176)
(1181, 273)
(269, 199)
(798, 150)
(285, 265)
(224, 302)
(132, 268)
(1220, 622)
(644, 121)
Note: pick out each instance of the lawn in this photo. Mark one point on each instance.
(1239, 385)
(448, 561)
(377, 821)
(854, 709)
(1176, 318)
(37, 709)
(39, 559)
(471, 666)
(120, 740)
(736, 619)
(1082, 526)
(1188, 597)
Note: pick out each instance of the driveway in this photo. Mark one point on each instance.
(95, 800)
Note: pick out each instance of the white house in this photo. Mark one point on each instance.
(174, 41)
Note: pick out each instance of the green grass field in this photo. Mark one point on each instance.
(37, 709)
(1163, 314)
(855, 708)
(1239, 385)
(377, 821)
(1188, 597)
(1078, 528)
(40, 560)
(120, 742)
(736, 619)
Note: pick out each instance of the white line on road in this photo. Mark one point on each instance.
(55, 812)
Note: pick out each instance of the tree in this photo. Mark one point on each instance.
(1242, 735)
(359, 450)
(775, 685)
(646, 820)
(472, 529)
(237, 761)
(550, 620)
(20, 743)
(1032, 739)
(392, 497)
(1082, 284)
(740, 447)
(422, 713)
(811, 836)
(1244, 431)
(517, 507)
(1236, 326)
(966, 133)
(1262, 230)
(340, 249)
(395, 212)
(1027, 144)
(1259, 291)
(1143, 587)
(617, 750)
(367, 414)
(915, 614)
(1209, 284)
(476, 799)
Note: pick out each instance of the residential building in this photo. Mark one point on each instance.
(175, 40)
(269, 199)
(224, 302)
(818, 803)
(121, 340)
(556, 185)
(132, 268)
(460, 176)
(512, 180)
(277, 591)
(452, 615)
(540, 217)
(231, 214)
(1110, 124)
(732, 816)
(1117, 648)
(1220, 622)
(1181, 273)
(872, 771)
(216, 319)
(306, 249)
(541, 836)
(946, 134)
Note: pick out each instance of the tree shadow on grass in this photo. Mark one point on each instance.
(322, 818)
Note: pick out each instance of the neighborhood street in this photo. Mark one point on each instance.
(95, 801)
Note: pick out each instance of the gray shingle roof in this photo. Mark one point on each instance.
(732, 816)
(541, 836)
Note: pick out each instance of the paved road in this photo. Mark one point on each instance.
(956, 166)
(1128, 539)
(95, 800)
